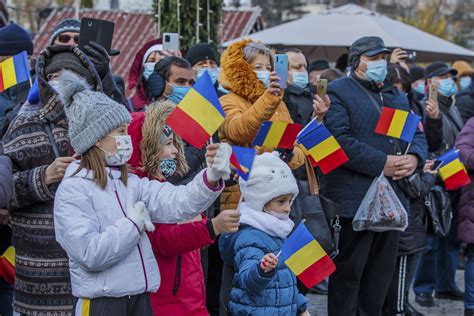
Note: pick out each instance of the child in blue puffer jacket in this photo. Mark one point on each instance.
(262, 284)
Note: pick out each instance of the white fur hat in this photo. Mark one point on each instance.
(270, 178)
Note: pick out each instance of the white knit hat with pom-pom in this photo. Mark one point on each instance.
(270, 178)
(91, 114)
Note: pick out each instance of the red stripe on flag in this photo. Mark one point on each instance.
(317, 272)
(235, 162)
(333, 161)
(385, 120)
(1, 79)
(289, 136)
(457, 180)
(187, 128)
(7, 271)
(313, 162)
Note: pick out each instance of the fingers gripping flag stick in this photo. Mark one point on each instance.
(305, 257)
(198, 116)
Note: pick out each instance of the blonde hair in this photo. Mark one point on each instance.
(94, 160)
(151, 148)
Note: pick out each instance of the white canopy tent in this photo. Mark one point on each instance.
(330, 33)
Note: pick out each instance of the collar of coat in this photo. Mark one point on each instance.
(113, 173)
(238, 75)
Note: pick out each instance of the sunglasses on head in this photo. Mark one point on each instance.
(64, 38)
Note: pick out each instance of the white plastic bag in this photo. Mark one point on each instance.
(381, 209)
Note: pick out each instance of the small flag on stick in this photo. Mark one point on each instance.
(7, 265)
(277, 135)
(452, 171)
(198, 116)
(14, 70)
(306, 258)
(241, 160)
(398, 124)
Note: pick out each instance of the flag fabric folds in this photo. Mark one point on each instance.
(323, 149)
(398, 124)
(7, 265)
(305, 257)
(277, 135)
(241, 160)
(14, 70)
(452, 171)
(198, 116)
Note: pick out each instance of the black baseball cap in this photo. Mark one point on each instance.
(367, 46)
(439, 69)
(319, 64)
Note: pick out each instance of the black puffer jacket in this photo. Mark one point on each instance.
(299, 103)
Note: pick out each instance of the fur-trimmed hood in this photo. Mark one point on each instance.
(237, 75)
(145, 130)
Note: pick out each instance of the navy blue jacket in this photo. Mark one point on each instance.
(465, 102)
(352, 119)
(255, 292)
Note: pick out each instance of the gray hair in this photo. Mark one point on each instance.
(253, 49)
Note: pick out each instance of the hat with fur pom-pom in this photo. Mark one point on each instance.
(91, 114)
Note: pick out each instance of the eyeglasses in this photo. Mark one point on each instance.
(64, 38)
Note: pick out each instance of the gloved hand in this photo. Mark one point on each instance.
(99, 57)
(218, 164)
(139, 215)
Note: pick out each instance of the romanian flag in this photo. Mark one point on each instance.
(306, 258)
(241, 160)
(14, 70)
(7, 265)
(398, 124)
(452, 171)
(198, 116)
(323, 149)
(311, 126)
(277, 135)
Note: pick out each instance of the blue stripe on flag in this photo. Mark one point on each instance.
(262, 134)
(205, 88)
(448, 157)
(297, 240)
(315, 137)
(22, 70)
(409, 129)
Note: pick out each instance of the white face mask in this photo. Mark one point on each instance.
(280, 216)
(124, 151)
(54, 84)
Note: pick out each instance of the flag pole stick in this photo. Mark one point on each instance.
(408, 148)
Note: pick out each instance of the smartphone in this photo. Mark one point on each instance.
(99, 31)
(436, 164)
(322, 88)
(171, 41)
(411, 56)
(281, 68)
(433, 92)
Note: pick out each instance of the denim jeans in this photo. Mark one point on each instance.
(469, 278)
(437, 267)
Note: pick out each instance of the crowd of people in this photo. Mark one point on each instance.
(110, 212)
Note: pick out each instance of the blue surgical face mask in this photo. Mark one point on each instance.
(420, 88)
(148, 69)
(178, 93)
(465, 82)
(376, 70)
(300, 79)
(447, 87)
(213, 73)
(264, 77)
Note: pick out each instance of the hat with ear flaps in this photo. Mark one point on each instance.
(270, 178)
(91, 115)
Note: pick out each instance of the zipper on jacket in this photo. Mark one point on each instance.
(138, 245)
(177, 276)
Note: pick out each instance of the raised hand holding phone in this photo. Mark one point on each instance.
(281, 69)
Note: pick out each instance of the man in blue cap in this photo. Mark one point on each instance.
(367, 259)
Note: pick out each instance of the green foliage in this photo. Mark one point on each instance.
(429, 19)
(186, 26)
(87, 3)
(276, 12)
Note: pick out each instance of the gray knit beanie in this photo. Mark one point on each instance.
(91, 115)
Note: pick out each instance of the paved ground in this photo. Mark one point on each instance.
(318, 303)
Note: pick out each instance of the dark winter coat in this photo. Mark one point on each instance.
(465, 103)
(433, 128)
(299, 103)
(465, 144)
(6, 179)
(352, 119)
(42, 282)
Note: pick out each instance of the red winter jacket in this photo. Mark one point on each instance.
(177, 250)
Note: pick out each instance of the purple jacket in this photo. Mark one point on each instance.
(465, 144)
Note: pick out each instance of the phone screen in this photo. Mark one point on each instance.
(281, 68)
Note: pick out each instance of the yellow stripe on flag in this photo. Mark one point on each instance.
(305, 257)
(86, 307)
(451, 168)
(397, 124)
(274, 134)
(324, 149)
(202, 111)
(9, 254)
(8, 73)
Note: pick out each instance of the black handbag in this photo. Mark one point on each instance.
(411, 185)
(437, 205)
(318, 213)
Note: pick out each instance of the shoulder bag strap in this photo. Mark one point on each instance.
(313, 182)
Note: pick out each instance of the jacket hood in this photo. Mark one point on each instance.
(237, 75)
(145, 130)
